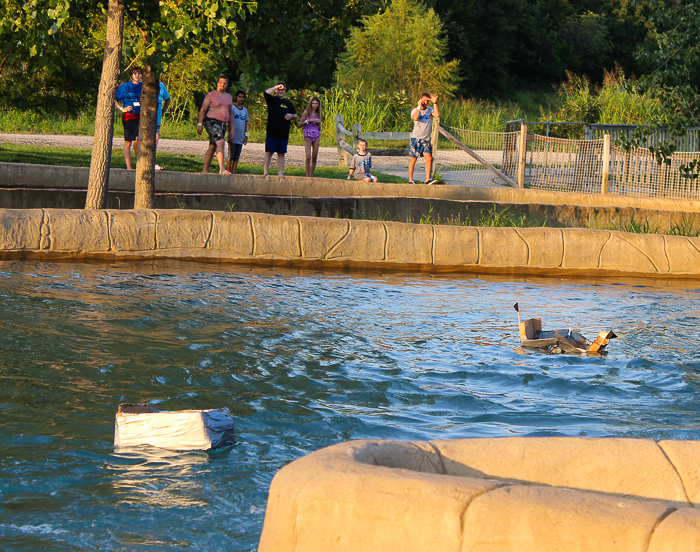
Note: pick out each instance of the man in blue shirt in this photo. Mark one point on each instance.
(129, 94)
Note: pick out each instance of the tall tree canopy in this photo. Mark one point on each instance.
(296, 40)
(513, 44)
(673, 60)
(39, 40)
(401, 48)
(502, 45)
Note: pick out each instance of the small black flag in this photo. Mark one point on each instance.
(517, 309)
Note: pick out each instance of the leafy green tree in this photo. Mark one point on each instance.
(481, 35)
(166, 28)
(39, 70)
(402, 48)
(512, 44)
(673, 61)
(588, 43)
(296, 40)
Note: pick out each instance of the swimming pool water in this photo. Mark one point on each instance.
(303, 359)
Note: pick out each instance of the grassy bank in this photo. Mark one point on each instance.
(504, 217)
(375, 112)
(74, 157)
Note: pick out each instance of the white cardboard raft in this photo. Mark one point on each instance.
(136, 425)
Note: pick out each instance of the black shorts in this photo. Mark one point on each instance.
(131, 130)
(276, 145)
(215, 129)
(234, 151)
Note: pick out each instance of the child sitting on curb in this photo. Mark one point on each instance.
(362, 164)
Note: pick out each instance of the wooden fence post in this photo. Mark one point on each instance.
(521, 155)
(342, 154)
(356, 130)
(606, 164)
(434, 136)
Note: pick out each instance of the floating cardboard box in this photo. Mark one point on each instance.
(136, 424)
(560, 341)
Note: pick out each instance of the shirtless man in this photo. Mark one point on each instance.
(216, 116)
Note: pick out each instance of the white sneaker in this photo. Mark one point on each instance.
(159, 168)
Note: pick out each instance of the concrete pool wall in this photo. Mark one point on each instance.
(321, 242)
(24, 186)
(489, 495)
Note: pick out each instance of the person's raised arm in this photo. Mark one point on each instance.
(434, 99)
(416, 112)
(273, 89)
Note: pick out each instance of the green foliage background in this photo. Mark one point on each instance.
(399, 49)
(499, 50)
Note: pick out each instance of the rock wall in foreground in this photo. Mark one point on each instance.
(557, 494)
(309, 241)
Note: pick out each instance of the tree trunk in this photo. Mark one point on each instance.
(104, 116)
(146, 158)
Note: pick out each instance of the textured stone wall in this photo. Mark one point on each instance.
(20, 175)
(489, 495)
(309, 241)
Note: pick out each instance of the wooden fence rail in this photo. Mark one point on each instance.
(357, 134)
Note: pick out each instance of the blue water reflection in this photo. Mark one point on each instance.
(303, 359)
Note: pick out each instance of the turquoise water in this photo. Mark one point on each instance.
(303, 360)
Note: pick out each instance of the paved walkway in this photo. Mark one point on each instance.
(252, 152)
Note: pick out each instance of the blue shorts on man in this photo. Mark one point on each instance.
(419, 146)
(276, 145)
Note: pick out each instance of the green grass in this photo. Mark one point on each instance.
(683, 228)
(76, 157)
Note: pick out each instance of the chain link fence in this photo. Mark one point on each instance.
(548, 163)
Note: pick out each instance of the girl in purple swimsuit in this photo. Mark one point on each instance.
(311, 121)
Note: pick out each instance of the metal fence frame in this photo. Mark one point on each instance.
(690, 141)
